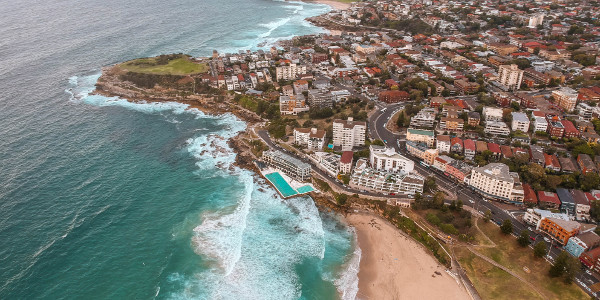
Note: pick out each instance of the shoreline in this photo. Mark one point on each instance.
(335, 5)
(394, 266)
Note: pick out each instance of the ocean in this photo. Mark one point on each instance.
(101, 198)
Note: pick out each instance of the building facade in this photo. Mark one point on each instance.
(291, 166)
(348, 134)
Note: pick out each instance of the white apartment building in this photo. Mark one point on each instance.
(496, 128)
(420, 136)
(566, 98)
(371, 180)
(289, 72)
(443, 143)
(535, 216)
(520, 121)
(540, 124)
(387, 159)
(510, 76)
(423, 119)
(292, 105)
(542, 66)
(349, 134)
(328, 162)
(492, 114)
(535, 20)
(311, 138)
(493, 181)
(289, 165)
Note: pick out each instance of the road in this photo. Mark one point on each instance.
(469, 197)
(264, 135)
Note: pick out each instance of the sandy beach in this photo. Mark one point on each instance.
(393, 266)
(333, 3)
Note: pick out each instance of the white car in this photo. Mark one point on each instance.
(471, 201)
(547, 239)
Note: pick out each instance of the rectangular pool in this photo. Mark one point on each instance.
(281, 185)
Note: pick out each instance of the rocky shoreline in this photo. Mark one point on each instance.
(110, 85)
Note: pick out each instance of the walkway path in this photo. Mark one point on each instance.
(505, 269)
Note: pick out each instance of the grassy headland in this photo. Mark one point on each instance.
(173, 64)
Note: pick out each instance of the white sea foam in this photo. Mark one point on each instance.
(220, 235)
(209, 150)
(272, 26)
(347, 282)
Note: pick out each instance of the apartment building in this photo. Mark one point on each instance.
(578, 244)
(510, 77)
(566, 98)
(328, 162)
(520, 122)
(534, 216)
(289, 72)
(320, 99)
(470, 148)
(492, 114)
(421, 136)
(421, 151)
(443, 143)
(424, 118)
(493, 181)
(289, 165)
(559, 230)
(387, 159)
(375, 181)
(292, 105)
(346, 162)
(348, 134)
(452, 124)
(496, 128)
(540, 124)
(311, 138)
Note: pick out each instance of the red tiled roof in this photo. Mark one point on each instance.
(495, 148)
(529, 194)
(469, 144)
(347, 157)
(548, 197)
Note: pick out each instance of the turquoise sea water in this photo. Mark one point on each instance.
(104, 199)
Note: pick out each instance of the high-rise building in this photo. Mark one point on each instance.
(535, 20)
(387, 159)
(289, 72)
(510, 76)
(495, 181)
(566, 98)
(348, 134)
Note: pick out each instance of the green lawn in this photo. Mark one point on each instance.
(491, 282)
(509, 254)
(182, 65)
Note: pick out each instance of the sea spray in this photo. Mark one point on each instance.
(347, 282)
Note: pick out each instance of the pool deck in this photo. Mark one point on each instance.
(288, 189)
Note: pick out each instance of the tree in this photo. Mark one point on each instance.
(438, 199)
(590, 181)
(459, 204)
(341, 199)
(539, 250)
(506, 227)
(429, 185)
(487, 216)
(378, 143)
(523, 238)
(565, 266)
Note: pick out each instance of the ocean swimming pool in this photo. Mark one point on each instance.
(281, 185)
(305, 189)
